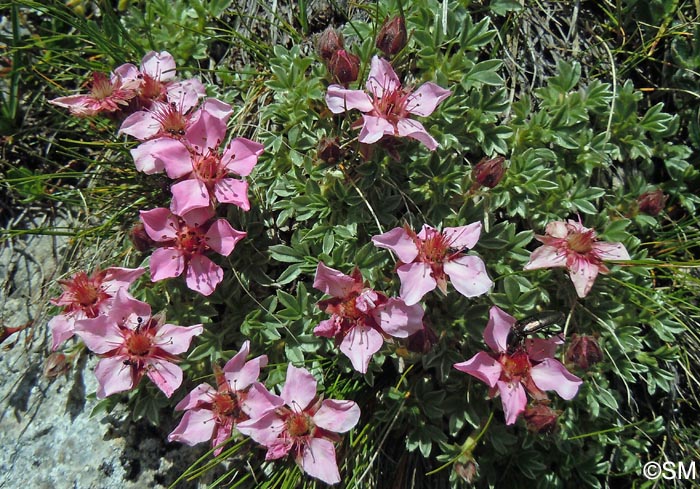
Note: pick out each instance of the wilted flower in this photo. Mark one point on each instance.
(510, 371)
(429, 257)
(361, 317)
(489, 171)
(392, 36)
(56, 364)
(329, 42)
(132, 343)
(387, 106)
(212, 414)
(541, 418)
(344, 67)
(584, 351)
(329, 150)
(652, 203)
(572, 245)
(107, 94)
(140, 238)
(183, 240)
(87, 297)
(304, 425)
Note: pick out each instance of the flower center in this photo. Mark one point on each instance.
(172, 121)
(299, 425)
(208, 168)
(581, 242)
(348, 308)
(151, 88)
(191, 240)
(515, 366)
(434, 247)
(392, 105)
(101, 86)
(138, 344)
(226, 405)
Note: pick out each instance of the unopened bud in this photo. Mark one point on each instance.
(344, 67)
(140, 238)
(7, 331)
(489, 171)
(652, 203)
(392, 36)
(56, 364)
(540, 418)
(584, 351)
(329, 150)
(329, 41)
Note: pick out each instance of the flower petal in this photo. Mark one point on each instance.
(101, 334)
(337, 416)
(513, 398)
(359, 344)
(340, 99)
(196, 426)
(145, 159)
(203, 275)
(176, 339)
(160, 66)
(241, 156)
(333, 282)
(166, 263)
(413, 129)
(259, 401)
(463, 236)
(113, 376)
(416, 281)
(200, 395)
(160, 224)
(583, 274)
(189, 195)
(299, 388)
(173, 155)
(62, 329)
(546, 257)
(222, 238)
(398, 319)
(482, 366)
(142, 125)
(398, 241)
(120, 278)
(382, 77)
(497, 329)
(426, 98)
(468, 275)
(165, 375)
(318, 460)
(374, 128)
(610, 251)
(232, 191)
(265, 429)
(551, 375)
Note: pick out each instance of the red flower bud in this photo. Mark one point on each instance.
(584, 351)
(329, 41)
(392, 36)
(329, 150)
(344, 67)
(489, 172)
(140, 238)
(652, 203)
(540, 418)
(56, 364)
(7, 331)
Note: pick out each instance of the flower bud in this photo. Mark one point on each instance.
(7, 331)
(56, 364)
(392, 36)
(329, 41)
(329, 150)
(540, 418)
(467, 470)
(584, 351)
(140, 238)
(489, 172)
(652, 203)
(344, 67)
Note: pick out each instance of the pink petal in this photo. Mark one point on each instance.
(468, 275)
(126, 72)
(186, 94)
(248, 374)
(198, 217)
(551, 375)
(195, 427)
(142, 125)
(426, 98)
(318, 460)
(172, 155)
(397, 319)
(413, 129)
(166, 263)
(61, 327)
(222, 433)
(101, 334)
(513, 398)
(241, 156)
(333, 282)
(206, 133)
(176, 339)
(145, 159)
(189, 195)
(238, 361)
(217, 108)
(222, 238)
(463, 236)
(374, 128)
(76, 103)
(360, 344)
(165, 375)
(265, 429)
(559, 229)
(278, 449)
(160, 66)
(113, 376)
(583, 274)
(382, 77)
(539, 348)
(416, 281)
(259, 401)
(202, 394)
(329, 327)
(232, 191)
(120, 278)
(610, 251)
(203, 275)
(299, 388)
(497, 329)
(160, 224)
(398, 241)
(124, 306)
(340, 99)
(546, 257)
(337, 416)
(482, 366)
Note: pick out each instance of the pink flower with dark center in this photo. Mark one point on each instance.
(157, 74)
(107, 94)
(572, 245)
(132, 343)
(512, 371)
(87, 296)
(183, 240)
(429, 257)
(388, 105)
(304, 425)
(361, 318)
(212, 414)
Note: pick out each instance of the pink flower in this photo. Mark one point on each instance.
(429, 257)
(387, 106)
(361, 318)
(107, 94)
(87, 297)
(183, 241)
(157, 74)
(213, 413)
(132, 343)
(569, 244)
(304, 425)
(510, 371)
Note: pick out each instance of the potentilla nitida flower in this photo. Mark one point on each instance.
(429, 257)
(183, 240)
(213, 413)
(304, 425)
(652, 203)
(513, 371)
(392, 36)
(157, 74)
(132, 343)
(388, 105)
(571, 245)
(87, 296)
(361, 317)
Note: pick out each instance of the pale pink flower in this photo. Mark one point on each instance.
(107, 94)
(132, 343)
(213, 413)
(572, 245)
(361, 318)
(388, 105)
(304, 425)
(86, 297)
(157, 75)
(183, 240)
(512, 371)
(429, 257)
